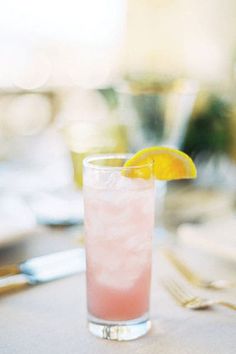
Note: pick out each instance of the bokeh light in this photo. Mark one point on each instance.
(25, 114)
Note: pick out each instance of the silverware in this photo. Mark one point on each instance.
(193, 277)
(187, 299)
(42, 269)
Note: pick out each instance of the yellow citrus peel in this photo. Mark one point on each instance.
(163, 163)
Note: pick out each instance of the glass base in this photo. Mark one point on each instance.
(120, 331)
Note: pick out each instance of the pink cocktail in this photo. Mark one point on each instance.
(119, 222)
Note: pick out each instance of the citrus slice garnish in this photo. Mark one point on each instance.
(166, 164)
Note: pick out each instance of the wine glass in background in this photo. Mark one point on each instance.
(88, 126)
(84, 138)
(156, 113)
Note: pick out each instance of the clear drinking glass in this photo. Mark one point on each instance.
(119, 223)
(92, 137)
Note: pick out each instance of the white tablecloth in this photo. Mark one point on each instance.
(51, 318)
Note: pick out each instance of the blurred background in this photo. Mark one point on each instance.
(102, 76)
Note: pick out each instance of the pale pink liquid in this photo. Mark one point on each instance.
(119, 221)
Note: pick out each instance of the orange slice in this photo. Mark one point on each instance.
(166, 164)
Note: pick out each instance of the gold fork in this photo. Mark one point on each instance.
(194, 278)
(187, 299)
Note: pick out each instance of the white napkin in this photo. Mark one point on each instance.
(217, 237)
(16, 220)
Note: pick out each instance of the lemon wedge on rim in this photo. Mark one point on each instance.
(166, 164)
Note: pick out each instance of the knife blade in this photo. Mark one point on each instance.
(44, 269)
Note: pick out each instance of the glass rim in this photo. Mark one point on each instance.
(87, 162)
(192, 89)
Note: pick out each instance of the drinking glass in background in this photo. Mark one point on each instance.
(119, 222)
(92, 137)
(157, 113)
(158, 110)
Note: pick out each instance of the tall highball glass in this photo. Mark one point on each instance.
(119, 223)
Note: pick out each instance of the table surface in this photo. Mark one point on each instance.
(51, 318)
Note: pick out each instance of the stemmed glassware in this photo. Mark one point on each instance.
(157, 113)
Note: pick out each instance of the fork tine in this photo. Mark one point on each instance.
(172, 290)
(180, 294)
(182, 290)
